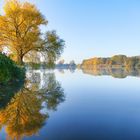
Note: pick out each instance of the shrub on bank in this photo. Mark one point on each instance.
(9, 71)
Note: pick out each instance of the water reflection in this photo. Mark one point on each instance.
(62, 70)
(7, 92)
(114, 72)
(21, 114)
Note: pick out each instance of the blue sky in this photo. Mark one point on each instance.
(94, 27)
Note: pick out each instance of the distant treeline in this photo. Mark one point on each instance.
(115, 61)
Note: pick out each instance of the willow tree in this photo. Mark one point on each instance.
(20, 31)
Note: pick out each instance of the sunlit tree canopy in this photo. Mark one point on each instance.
(20, 32)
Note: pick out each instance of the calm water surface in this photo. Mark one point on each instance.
(64, 105)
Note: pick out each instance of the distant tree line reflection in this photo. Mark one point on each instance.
(114, 72)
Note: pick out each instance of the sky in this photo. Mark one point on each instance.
(93, 28)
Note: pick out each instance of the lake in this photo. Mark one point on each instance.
(72, 105)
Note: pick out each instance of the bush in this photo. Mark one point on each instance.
(9, 71)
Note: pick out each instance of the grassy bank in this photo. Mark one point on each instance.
(9, 71)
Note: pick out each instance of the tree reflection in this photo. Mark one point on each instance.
(23, 116)
(52, 94)
(8, 91)
(114, 72)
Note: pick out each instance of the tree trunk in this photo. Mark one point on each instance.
(20, 60)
